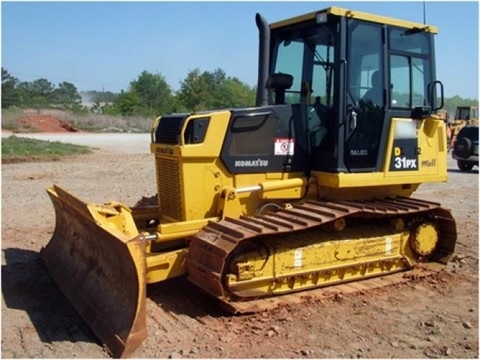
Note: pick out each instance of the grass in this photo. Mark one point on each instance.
(16, 149)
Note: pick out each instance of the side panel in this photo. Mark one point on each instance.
(265, 140)
(415, 153)
(201, 157)
(189, 174)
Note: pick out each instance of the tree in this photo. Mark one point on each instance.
(154, 94)
(126, 103)
(213, 90)
(66, 95)
(39, 93)
(195, 91)
(9, 93)
(233, 93)
(42, 87)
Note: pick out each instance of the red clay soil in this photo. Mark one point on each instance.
(44, 123)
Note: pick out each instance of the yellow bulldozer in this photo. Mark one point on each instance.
(464, 115)
(311, 187)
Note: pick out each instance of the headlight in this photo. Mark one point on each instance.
(321, 17)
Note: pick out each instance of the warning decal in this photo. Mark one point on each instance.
(284, 146)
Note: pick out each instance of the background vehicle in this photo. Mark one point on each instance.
(465, 150)
(464, 115)
(311, 187)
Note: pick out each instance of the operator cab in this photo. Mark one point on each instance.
(345, 75)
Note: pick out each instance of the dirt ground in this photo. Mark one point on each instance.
(425, 318)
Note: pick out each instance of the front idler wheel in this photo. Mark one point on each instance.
(424, 239)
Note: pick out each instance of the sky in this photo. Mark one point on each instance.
(104, 46)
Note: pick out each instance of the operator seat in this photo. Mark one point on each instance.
(279, 83)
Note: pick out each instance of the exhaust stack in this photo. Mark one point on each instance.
(263, 60)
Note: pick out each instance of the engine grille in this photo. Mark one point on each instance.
(169, 188)
(168, 129)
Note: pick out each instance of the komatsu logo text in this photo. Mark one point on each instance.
(164, 150)
(251, 163)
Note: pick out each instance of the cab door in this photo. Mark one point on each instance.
(365, 111)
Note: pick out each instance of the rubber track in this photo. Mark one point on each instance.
(210, 247)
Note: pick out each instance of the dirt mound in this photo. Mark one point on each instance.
(44, 123)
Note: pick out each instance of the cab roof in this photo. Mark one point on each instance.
(356, 15)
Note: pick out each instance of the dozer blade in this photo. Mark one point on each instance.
(97, 258)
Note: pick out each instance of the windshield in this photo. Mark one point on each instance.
(307, 53)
